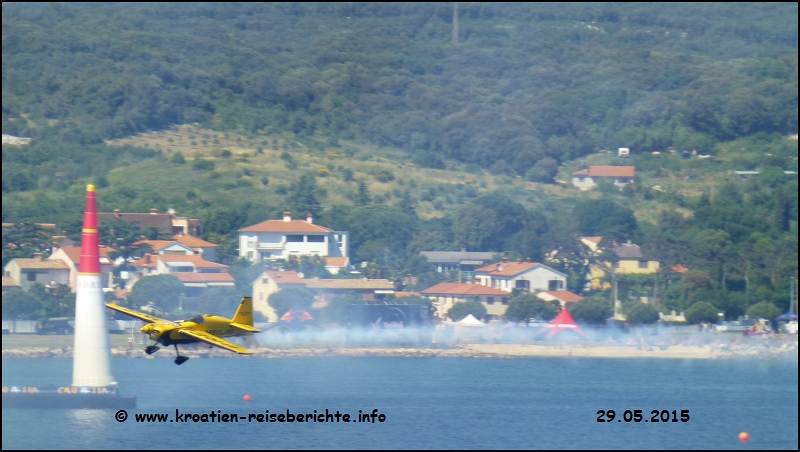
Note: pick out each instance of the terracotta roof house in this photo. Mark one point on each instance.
(631, 260)
(445, 295)
(192, 270)
(588, 178)
(27, 272)
(524, 276)
(281, 239)
(71, 255)
(563, 297)
(269, 282)
(165, 223)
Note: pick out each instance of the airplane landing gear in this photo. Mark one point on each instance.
(150, 349)
(180, 359)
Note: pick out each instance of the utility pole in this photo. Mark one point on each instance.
(455, 22)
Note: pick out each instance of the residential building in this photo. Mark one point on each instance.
(268, 283)
(324, 290)
(368, 289)
(165, 223)
(71, 255)
(27, 272)
(192, 270)
(281, 239)
(588, 178)
(524, 276)
(334, 265)
(445, 295)
(464, 262)
(203, 248)
(562, 296)
(630, 260)
(166, 247)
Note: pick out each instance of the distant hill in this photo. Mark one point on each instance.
(519, 82)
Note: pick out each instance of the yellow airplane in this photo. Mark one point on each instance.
(200, 328)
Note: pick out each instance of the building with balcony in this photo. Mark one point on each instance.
(282, 239)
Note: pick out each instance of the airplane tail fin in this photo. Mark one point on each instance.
(244, 315)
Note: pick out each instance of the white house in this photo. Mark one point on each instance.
(280, 239)
(71, 255)
(526, 276)
(27, 272)
(588, 178)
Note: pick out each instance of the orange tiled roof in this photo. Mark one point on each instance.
(284, 277)
(406, 294)
(596, 240)
(203, 277)
(156, 244)
(74, 254)
(607, 171)
(335, 261)
(565, 296)
(193, 242)
(9, 282)
(462, 289)
(286, 226)
(194, 259)
(507, 268)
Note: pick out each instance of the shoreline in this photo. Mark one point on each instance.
(497, 351)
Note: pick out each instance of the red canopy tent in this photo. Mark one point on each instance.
(562, 322)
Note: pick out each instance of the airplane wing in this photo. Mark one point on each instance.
(132, 313)
(214, 340)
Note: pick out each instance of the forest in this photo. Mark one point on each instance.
(498, 92)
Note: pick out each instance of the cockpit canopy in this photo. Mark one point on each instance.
(198, 319)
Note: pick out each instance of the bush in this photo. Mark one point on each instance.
(702, 312)
(594, 311)
(202, 165)
(763, 310)
(226, 154)
(527, 306)
(465, 308)
(642, 314)
(177, 158)
(347, 174)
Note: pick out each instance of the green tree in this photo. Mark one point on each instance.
(291, 298)
(605, 218)
(162, 290)
(702, 312)
(18, 303)
(593, 311)
(362, 197)
(524, 307)
(473, 226)
(465, 308)
(641, 314)
(763, 310)
(302, 196)
(22, 240)
(222, 301)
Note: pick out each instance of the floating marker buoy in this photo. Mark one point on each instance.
(743, 436)
(247, 399)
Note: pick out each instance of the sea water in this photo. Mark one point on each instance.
(440, 403)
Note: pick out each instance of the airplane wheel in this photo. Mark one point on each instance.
(150, 349)
(181, 359)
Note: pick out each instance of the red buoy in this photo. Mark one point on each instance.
(743, 436)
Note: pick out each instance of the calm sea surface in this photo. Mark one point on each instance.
(535, 403)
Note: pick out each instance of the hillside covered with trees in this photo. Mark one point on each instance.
(421, 126)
